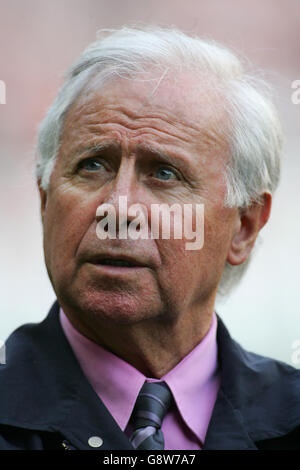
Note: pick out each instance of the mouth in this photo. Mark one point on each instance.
(116, 262)
(116, 265)
(116, 269)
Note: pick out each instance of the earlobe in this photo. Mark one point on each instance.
(43, 198)
(249, 222)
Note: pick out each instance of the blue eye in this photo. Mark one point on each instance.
(90, 164)
(165, 174)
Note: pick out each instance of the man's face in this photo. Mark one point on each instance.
(165, 147)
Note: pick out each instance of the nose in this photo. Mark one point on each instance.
(124, 184)
(122, 193)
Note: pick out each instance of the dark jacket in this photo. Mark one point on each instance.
(46, 400)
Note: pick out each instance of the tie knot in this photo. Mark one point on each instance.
(152, 404)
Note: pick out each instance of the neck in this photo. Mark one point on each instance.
(154, 346)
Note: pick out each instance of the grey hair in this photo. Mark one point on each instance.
(254, 136)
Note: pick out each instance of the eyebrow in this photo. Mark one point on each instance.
(142, 149)
(171, 158)
(101, 147)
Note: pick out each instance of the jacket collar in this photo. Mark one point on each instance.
(64, 402)
(258, 398)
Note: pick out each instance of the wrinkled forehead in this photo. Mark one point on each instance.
(194, 101)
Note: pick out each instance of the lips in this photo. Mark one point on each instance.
(116, 260)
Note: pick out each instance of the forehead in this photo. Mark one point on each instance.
(179, 110)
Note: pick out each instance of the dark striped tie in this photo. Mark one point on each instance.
(149, 410)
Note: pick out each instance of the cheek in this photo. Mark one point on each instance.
(180, 268)
(187, 267)
(67, 218)
(217, 236)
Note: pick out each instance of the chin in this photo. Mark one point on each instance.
(114, 307)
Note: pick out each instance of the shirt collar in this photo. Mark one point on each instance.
(194, 381)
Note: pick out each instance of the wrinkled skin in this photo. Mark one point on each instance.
(165, 147)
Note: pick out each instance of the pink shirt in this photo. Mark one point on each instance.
(194, 383)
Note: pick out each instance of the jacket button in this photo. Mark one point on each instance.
(95, 441)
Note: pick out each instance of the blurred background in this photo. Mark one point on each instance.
(39, 39)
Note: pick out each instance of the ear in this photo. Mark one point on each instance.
(249, 222)
(43, 199)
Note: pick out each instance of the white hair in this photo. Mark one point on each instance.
(254, 136)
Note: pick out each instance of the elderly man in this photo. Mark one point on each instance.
(133, 355)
